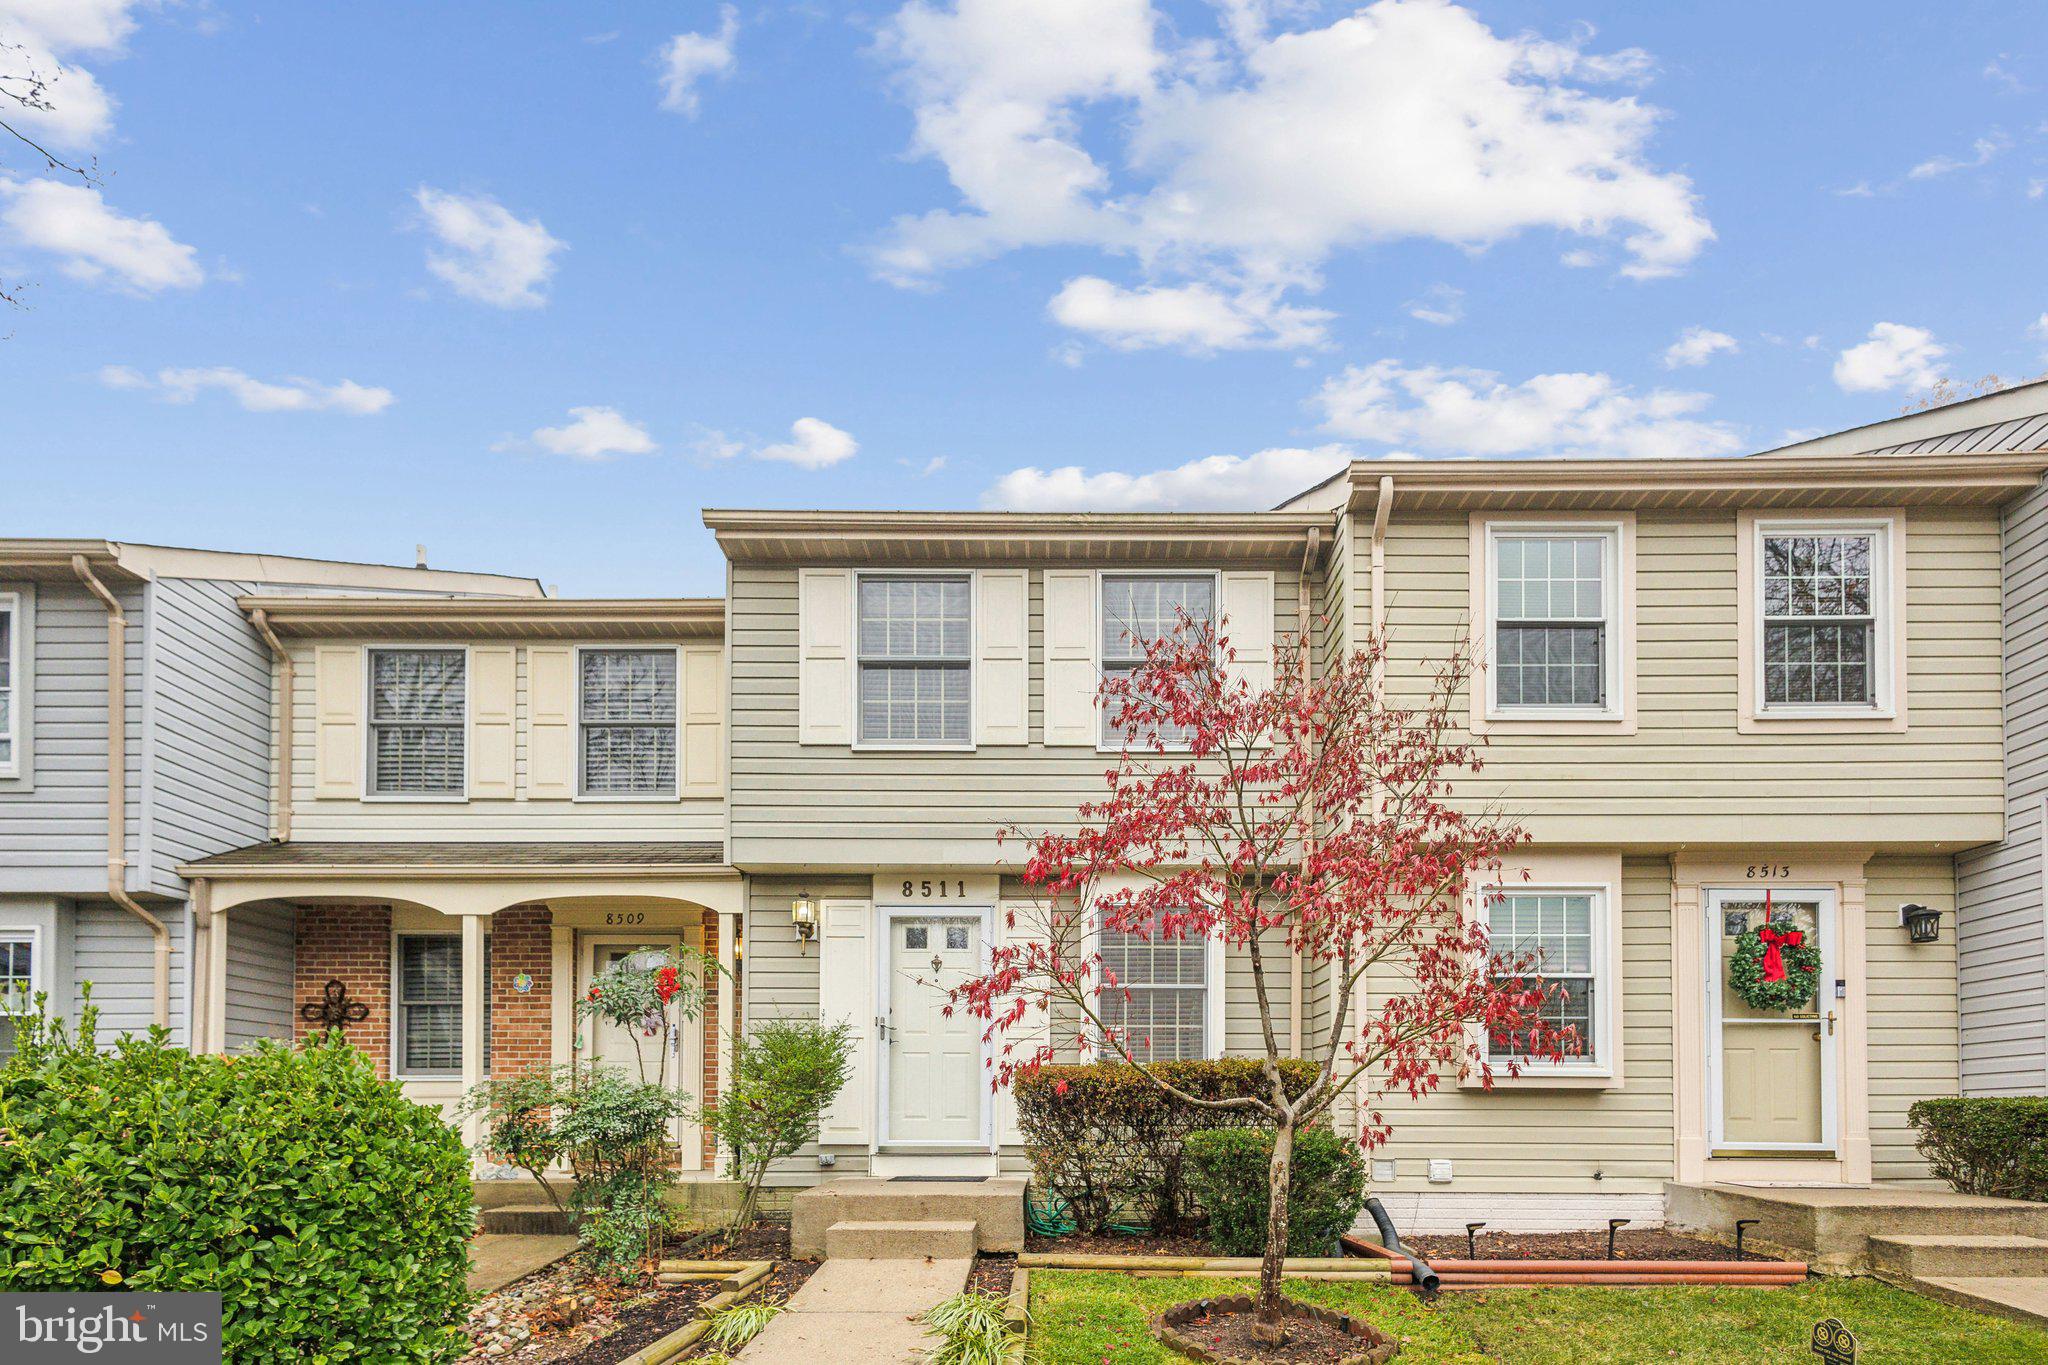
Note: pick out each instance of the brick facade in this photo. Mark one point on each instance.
(522, 1025)
(350, 944)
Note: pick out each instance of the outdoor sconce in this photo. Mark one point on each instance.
(1922, 925)
(803, 913)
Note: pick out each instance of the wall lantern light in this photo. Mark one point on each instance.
(1922, 924)
(803, 913)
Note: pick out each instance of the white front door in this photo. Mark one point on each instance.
(933, 1063)
(633, 1050)
(1771, 1072)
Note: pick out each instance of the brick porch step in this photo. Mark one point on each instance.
(940, 1240)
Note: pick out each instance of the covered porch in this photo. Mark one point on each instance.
(448, 964)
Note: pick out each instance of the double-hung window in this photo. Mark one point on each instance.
(915, 643)
(10, 674)
(1137, 611)
(627, 711)
(1557, 936)
(1822, 644)
(17, 970)
(429, 1013)
(417, 721)
(1158, 1003)
(1554, 605)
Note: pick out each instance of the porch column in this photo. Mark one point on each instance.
(473, 1059)
(213, 1031)
(728, 1004)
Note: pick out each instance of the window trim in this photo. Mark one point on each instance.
(11, 602)
(1618, 715)
(1598, 874)
(399, 1072)
(1102, 577)
(1887, 710)
(38, 964)
(611, 798)
(367, 780)
(882, 746)
(1213, 992)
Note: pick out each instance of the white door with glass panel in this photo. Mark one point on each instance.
(1771, 1067)
(631, 1049)
(933, 1076)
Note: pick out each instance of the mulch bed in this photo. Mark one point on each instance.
(1646, 1244)
(566, 1314)
(1119, 1244)
(992, 1274)
(1228, 1336)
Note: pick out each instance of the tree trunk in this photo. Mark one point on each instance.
(1269, 1325)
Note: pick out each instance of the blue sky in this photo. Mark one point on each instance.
(534, 284)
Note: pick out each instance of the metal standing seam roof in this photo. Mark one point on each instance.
(275, 857)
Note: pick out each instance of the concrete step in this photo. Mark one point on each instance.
(2023, 1298)
(943, 1240)
(526, 1220)
(1924, 1255)
(995, 1206)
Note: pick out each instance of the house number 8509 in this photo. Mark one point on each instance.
(934, 890)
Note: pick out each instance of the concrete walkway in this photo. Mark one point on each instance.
(495, 1260)
(859, 1312)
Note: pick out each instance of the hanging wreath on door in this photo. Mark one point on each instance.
(1774, 967)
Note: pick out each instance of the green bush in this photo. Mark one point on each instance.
(1106, 1141)
(1231, 1172)
(784, 1073)
(331, 1213)
(1992, 1145)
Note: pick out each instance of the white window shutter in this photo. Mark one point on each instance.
(1070, 677)
(494, 704)
(1248, 625)
(337, 722)
(846, 974)
(824, 656)
(701, 699)
(1031, 1031)
(551, 722)
(1002, 664)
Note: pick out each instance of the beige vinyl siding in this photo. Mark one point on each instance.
(796, 805)
(1688, 775)
(1536, 1141)
(481, 819)
(1913, 1033)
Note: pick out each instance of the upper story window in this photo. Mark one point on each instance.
(1137, 611)
(1159, 1002)
(10, 670)
(1554, 604)
(627, 712)
(418, 713)
(915, 646)
(1821, 590)
(1555, 935)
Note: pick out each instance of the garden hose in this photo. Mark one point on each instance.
(1054, 1218)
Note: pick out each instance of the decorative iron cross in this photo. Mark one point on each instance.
(334, 1009)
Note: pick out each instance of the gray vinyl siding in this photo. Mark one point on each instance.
(261, 964)
(2000, 928)
(111, 951)
(779, 980)
(798, 805)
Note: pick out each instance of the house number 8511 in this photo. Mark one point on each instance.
(934, 890)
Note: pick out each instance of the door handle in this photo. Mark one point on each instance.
(1831, 1023)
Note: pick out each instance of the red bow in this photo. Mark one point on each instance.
(1774, 961)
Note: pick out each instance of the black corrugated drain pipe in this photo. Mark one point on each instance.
(1426, 1280)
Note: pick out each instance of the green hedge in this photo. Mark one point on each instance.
(330, 1212)
(1231, 1172)
(1107, 1142)
(1994, 1146)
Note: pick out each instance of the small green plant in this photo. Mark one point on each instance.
(519, 1122)
(1230, 1170)
(736, 1324)
(972, 1329)
(784, 1073)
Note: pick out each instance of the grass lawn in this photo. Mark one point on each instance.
(1094, 1318)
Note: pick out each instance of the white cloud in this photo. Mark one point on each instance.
(1193, 317)
(1246, 162)
(690, 58)
(293, 394)
(487, 253)
(1580, 259)
(812, 444)
(1440, 304)
(1698, 345)
(1894, 357)
(1981, 153)
(1215, 482)
(47, 37)
(1474, 412)
(94, 242)
(595, 433)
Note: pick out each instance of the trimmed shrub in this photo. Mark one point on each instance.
(331, 1213)
(1990, 1145)
(1107, 1142)
(1230, 1171)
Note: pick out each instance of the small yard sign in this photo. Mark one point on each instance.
(1833, 1342)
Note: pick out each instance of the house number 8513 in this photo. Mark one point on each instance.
(928, 889)
(1766, 871)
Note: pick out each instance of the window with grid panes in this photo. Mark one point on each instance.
(17, 972)
(1820, 622)
(915, 644)
(1138, 610)
(1549, 934)
(1159, 1004)
(627, 710)
(1550, 621)
(417, 701)
(429, 1009)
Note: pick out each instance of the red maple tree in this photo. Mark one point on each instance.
(1312, 817)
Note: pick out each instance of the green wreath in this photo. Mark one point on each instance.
(1799, 961)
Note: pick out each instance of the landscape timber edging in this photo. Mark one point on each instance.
(1208, 1267)
(748, 1277)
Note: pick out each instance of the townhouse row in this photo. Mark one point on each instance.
(1800, 688)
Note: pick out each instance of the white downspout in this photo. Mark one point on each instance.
(1303, 624)
(286, 679)
(117, 785)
